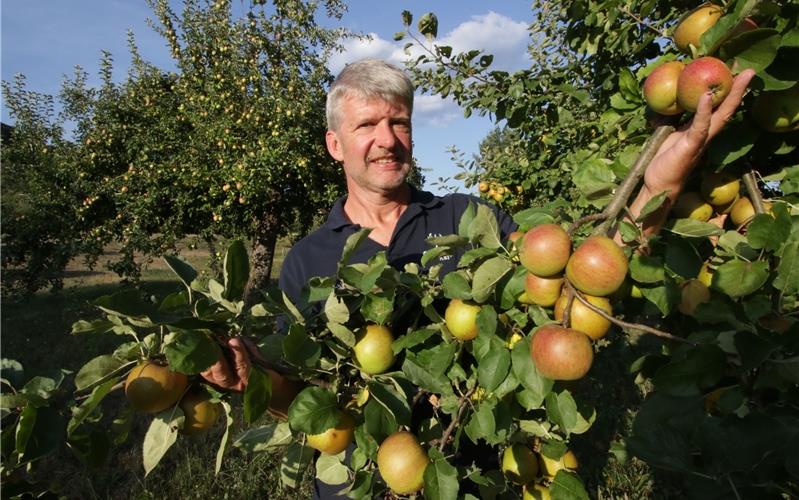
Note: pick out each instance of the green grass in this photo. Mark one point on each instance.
(36, 332)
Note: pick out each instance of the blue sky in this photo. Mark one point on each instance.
(46, 39)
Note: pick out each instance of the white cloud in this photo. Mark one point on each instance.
(432, 110)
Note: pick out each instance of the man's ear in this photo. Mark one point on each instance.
(334, 146)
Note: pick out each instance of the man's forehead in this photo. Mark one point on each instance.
(362, 102)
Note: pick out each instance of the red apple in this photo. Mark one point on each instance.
(542, 290)
(545, 249)
(598, 266)
(561, 353)
(660, 88)
(703, 75)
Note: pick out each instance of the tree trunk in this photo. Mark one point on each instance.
(263, 253)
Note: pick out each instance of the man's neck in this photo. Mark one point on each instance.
(379, 211)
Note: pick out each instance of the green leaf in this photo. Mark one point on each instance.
(314, 410)
(733, 142)
(646, 269)
(94, 326)
(412, 339)
(465, 224)
(160, 436)
(532, 217)
(377, 308)
(484, 229)
(440, 478)
(738, 278)
(182, 269)
(236, 271)
(124, 303)
(769, 232)
(493, 368)
(97, 369)
(693, 228)
(46, 432)
(264, 438)
(379, 420)
(391, 400)
(336, 310)
(80, 413)
(11, 371)
(562, 410)
(760, 49)
(428, 26)
(407, 18)
(487, 276)
(787, 280)
(594, 178)
(481, 424)
(456, 285)
(257, 395)
(567, 486)
(220, 451)
(294, 463)
(423, 378)
(664, 297)
(299, 349)
(191, 351)
(342, 333)
(700, 368)
(352, 243)
(525, 370)
(330, 470)
(652, 205)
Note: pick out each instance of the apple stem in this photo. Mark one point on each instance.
(463, 402)
(630, 183)
(626, 324)
(755, 196)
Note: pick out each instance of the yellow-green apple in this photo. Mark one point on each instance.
(693, 25)
(743, 210)
(660, 88)
(542, 291)
(777, 111)
(584, 319)
(706, 74)
(545, 249)
(461, 319)
(373, 349)
(402, 461)
(719, 188)
(692, 293)
(536, 491)
(549, 466)
(519, 463)
(705, 275)
(334, 440)
(598, 266)
(691, 205)
(561, 353)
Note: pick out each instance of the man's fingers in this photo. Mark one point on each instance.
(220, 374)
(241, 361)
(730, 104)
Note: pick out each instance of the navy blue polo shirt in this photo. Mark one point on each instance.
(427, 215)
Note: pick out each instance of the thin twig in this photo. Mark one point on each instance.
(462, 404)
(643, 23)
(584, 220)
(634, 176)
(626, 324)
(755, 196)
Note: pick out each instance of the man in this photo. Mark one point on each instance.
(369, 110)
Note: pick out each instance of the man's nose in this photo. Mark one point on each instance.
(385, 136)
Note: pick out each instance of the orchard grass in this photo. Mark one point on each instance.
(36, 332)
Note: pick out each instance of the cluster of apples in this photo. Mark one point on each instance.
(496, 191)
(525, 467)
(719, 193)
(675, 87)
(597, 268)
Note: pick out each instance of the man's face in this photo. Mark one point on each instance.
(373, 142)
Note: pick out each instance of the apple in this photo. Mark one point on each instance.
(777, 111)
(660, 88)
(549, 466)
(693, 25)
(692, 293)
(705, 275)
(483, 187)
(742, 211)
(598, 266)
(536, 491)
(402, 461)
(747, 24)
(542, 291)
(561, 353)
(584, 319)
(700, 76)
(691, 205)
(720, 188)
(545, 249)
(461, 319)
(519, 464)
(727, 207)
(373, 350)
(334, 440)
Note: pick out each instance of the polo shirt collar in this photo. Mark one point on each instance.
(420, 200)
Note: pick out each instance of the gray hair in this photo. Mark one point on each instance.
(369, 79)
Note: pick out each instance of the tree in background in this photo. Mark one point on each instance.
(229, 143)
